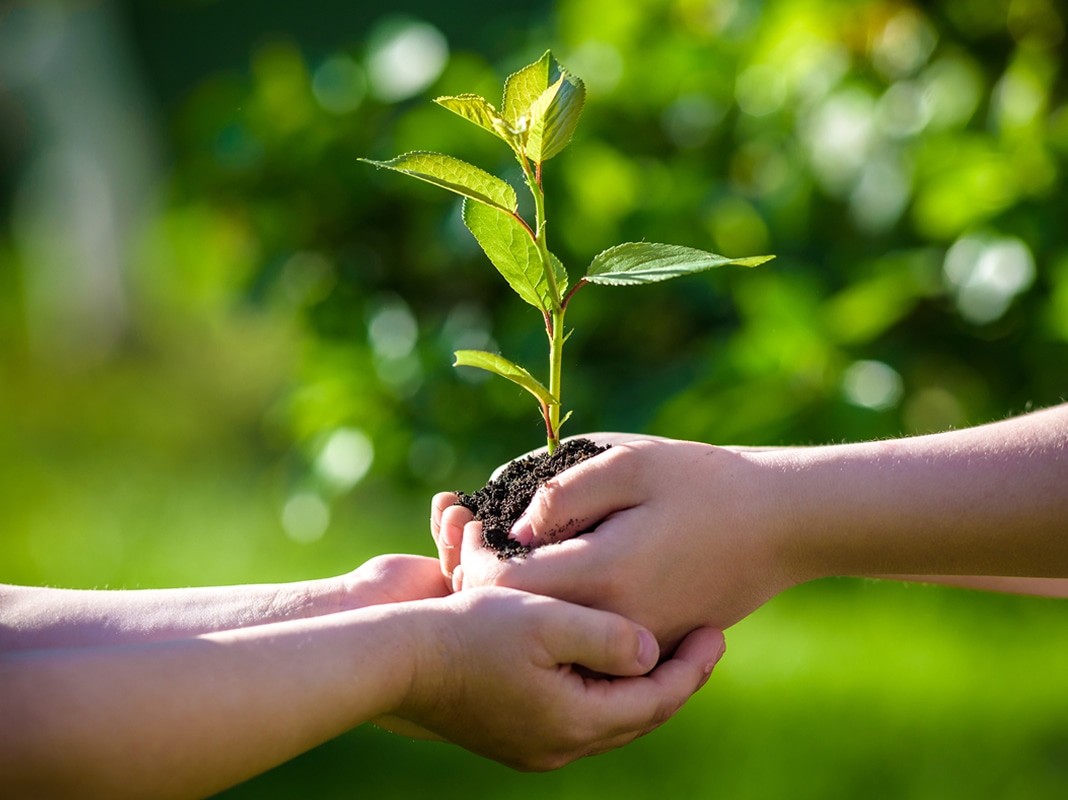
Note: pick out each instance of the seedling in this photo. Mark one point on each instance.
(541, 108)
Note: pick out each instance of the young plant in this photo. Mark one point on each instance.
(541, 108)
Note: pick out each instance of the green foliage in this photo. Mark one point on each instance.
(456, 176)
(646, 262)
(506, 369)
(507, 242)
(542, 104)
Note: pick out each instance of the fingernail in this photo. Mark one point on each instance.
(522, 531)
(449, 538)
(458, 578)
(712, 664)
(648, 650)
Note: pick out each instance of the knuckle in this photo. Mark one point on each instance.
(552, 497)
(627, 462)
(620, 639)
(549, 510)
(385, 566)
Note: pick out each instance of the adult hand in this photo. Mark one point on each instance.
(495, 674)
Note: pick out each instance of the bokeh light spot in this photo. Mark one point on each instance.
(405, 56)
(345, 458)
(599, 63)
(872, 384)
(305, 517)
(904, 44)
(760, 90)
(392, 329)
(986, 274)
(690, 120)
(339, 85)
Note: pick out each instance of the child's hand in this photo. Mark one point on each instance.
(495, 673)
(676, 538)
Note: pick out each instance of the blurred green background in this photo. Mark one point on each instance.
(225, 344)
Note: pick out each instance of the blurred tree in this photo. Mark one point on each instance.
(902, 160)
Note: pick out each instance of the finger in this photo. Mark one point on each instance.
(450, 536)
(578, 498)
(598, 640)
(699, 652)
(626, 708)
(453, 520)
(458, 578)
(604, 439)
(480, 567)
(440, 502)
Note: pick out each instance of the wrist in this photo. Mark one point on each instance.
(364, 659)
(320, 597)
(782, 507)
(425, 656)
(828, 522)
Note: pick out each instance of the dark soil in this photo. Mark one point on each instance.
(499, 503)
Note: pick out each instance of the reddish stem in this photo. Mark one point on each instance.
(523, 222)
(574, 289)
(548, 422)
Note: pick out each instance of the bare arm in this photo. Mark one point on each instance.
(985, 501)
(188, 716)
(36, 617)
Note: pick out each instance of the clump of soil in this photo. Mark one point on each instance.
(499, 503)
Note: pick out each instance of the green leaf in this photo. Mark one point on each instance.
(553, 118)
(646, 262)
(480, 111)
(455, 175)
(506, 369)
(524, 87)
(560, 273)
(510, 246)
(542, 102)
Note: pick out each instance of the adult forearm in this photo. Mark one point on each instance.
(989, 500)
(186, 718)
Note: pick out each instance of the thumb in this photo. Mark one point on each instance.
(580, 497)
(598, 640)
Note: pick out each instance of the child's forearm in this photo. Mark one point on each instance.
(188, 717)
(991, 500)
(34, 618)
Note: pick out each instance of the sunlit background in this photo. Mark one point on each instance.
(225, 343)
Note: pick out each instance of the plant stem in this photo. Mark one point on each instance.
(556, 352)
(556, 313)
